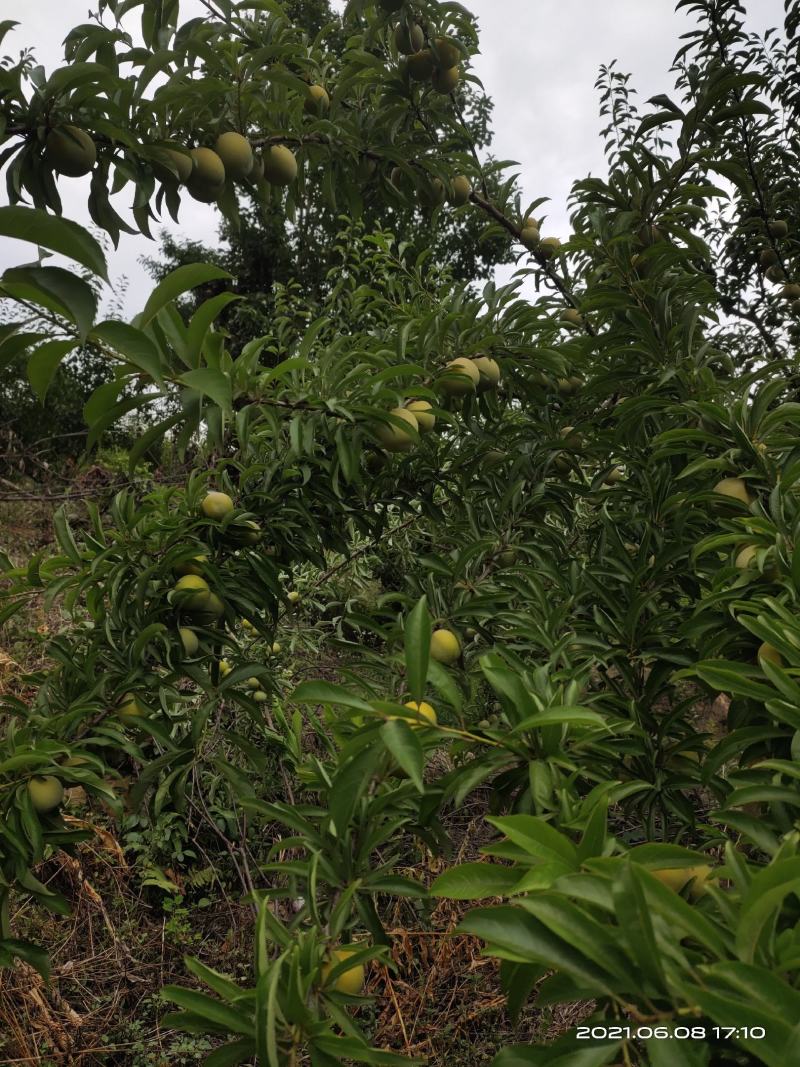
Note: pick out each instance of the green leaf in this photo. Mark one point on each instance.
(763, 901)
(476, 881)
(57, 289)
(133, 345)
(34, 955)
(404, 745)
(43, 363)
(328, 693)
(55, 234)
(537, 837)
(190, 1000)
(175, 284)
(212, 383)
(229, 1055)
(417, 648)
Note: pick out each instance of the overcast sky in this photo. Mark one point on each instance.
(539, 61)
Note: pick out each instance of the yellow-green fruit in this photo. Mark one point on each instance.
(350, 981)
(564, 386)
(129, 710)
(247, 625)
(493, 458)
(572, 317)
(746, 557)
(216, 505)
(778, 228)
(489, 372)
(530, 237)
(46, 793)
(191, 566)
(189, 640)
(71, 151)
(293, 597)
(178, 161)
(280, 165)
(396, 438)
(211, 607)
(317, 101)
(423, 413)
(571, 438)
(768, 257)
(236, 154)
(735, 488)
(676, 878)
(445, 79)
(462, 190)
(770, 653)
(615, 475)
(791, 291)
(548, 247)
(408, 41)
(507, 558)
(425, 710)
(446, 53)
(207, 179)
(420, 65)
(432, 192)
(445, 646)
(276, 648)
(224, 668)
(260, 696)
(775, 274)
(253, 683)
(460, 377)
(197, 591)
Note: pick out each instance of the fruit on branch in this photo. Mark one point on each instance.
(207, 179)
(614, 476)
(775, 274)
(432, 192)
(396, 438)
(445, 646)
(349, 981)
(489, 373)
(276, 648)
(530, 236)
(571, 438)
(224, 668)
(408, 40)
(446, 53)
(423, 413)
(293, 596)
(778, 228)
(735, 488)
(169, 160)
(791, 291)
(46, 793)
(191, 566)
(460, 377)
(317, 101)
(770, 653)
(424, 709)
(568, 386)
(194, 592)
(129, 710)
(507, 558)
(216, 505)
(420, 65)
(572, 317)
(236, 154)
(548, 247)
(676, 878)
(280, 165)
(71, 151)
(189, 640)
(462, 190)
(445, 79)
(746, 557)
(767, 257)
